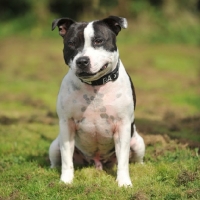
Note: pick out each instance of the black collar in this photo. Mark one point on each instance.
(112, 76)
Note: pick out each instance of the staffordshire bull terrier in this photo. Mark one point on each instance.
(96, 101)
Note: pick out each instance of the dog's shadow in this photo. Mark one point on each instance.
(109, 170)
(43, 161)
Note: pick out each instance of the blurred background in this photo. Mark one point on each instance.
(160, 50)
(153, 20)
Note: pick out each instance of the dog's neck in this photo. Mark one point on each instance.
(112, 76)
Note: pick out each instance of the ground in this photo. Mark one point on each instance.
(166, 79)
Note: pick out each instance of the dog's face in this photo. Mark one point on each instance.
(90, 48)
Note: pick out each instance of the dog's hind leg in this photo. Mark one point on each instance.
(54, 153)
(137, 150)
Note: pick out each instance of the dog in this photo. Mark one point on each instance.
(96, 102)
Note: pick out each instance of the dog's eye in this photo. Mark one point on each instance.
(71, 44)
(98, 41)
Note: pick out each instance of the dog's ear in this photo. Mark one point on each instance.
(63, 25)
(116, 23)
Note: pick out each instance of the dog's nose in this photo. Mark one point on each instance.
(83, 62)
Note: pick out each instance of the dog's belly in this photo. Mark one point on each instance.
(94, 136)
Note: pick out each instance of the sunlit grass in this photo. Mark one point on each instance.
(25, 171)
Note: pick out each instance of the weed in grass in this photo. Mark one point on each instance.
(193, 194)
(185, 177)
(140, 195)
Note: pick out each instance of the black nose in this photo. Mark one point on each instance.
(83, 62)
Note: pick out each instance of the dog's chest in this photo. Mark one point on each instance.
(95, 114)
(96, 118)
(98, 114)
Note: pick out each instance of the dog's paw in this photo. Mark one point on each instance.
(67, 176)
(123, 179)
(124, 182)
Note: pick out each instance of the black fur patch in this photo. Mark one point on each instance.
(134, 101)
(104, 33)
(74, 41)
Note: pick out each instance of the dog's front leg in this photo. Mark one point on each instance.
(67, 150)
(122, 148)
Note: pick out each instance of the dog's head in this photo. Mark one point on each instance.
(90, 48)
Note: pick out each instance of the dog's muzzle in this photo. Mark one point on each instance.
(83, 65)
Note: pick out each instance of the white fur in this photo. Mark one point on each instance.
(125, 23)
(96, 126)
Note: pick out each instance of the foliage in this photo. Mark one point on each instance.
(151, 21)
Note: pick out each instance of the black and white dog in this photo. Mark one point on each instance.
(96, 101)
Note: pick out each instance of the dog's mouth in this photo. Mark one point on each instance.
(87, 74)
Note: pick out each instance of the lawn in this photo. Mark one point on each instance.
(166, 79)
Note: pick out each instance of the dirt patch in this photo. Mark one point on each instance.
(161, 146)
(23, 99)
(139, 196)
(182, 130)
(192, 123)
(185, 177)
(49, 118)
(193, 193)
(151, 140)
(4, 120)
(13, 195)
(35, 103)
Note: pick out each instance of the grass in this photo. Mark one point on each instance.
(166, 78)
(170, 170)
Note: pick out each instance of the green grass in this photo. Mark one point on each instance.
(169, 172)
(166, 79)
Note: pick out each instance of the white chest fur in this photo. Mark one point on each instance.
(95, 113)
